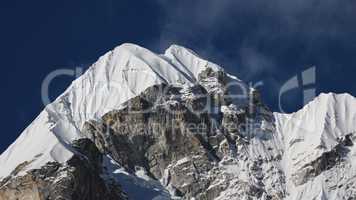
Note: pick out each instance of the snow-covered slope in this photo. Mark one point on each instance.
(117, 76)
(304, 155)
(310, 134)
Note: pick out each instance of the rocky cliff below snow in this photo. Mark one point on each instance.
(138, 125)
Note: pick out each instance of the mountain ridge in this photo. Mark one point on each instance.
(99, 105)
(290, 155)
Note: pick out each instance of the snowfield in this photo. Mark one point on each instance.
(128, 70)
(119, 75)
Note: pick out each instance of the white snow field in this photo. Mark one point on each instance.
(116, 77)
(310, 132)
(128, 70)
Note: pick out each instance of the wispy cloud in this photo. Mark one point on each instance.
(244, 26)
(261, 39)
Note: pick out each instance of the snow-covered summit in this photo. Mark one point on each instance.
(302, 155)
(310, 133)
(116, 77)
(323, 120)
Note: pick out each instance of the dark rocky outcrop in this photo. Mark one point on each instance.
(78, 179)
(154, 133)
(182, 137)
(178, 140)
(326, 161)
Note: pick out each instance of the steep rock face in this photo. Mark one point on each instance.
(195, 140)
(116, 77)
(153, 137)
(140, 125)
(79, 179)
(198, 141)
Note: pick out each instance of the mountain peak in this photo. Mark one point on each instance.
(333, 95)
(329, 101)
(175, 48)
(116, 77)
(230, 152)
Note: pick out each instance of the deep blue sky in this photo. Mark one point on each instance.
(255, 40)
